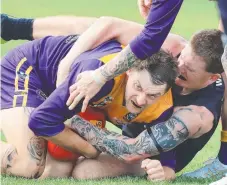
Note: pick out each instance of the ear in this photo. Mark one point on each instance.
(129, 72)
(214, 77)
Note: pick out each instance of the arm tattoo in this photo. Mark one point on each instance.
(7, 160)
(37, 150)
(115, 144)
(170, 134)
(120, 64)
(167, 135)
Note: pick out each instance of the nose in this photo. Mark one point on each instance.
(181, 68)
(141, 99)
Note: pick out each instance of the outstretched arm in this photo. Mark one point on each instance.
(185, 122)
(103, 29)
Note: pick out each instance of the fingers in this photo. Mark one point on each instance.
(148, 164)
(145, 162)
(156, 177)
(73, 95)
(144, 7)
(147, 3)
(76, 100)
(85, 103)
(72, 88)
(153, 169)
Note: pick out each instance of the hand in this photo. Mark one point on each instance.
(144, 7)
(154, 170)
(87, 85)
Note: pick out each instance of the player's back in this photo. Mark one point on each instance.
(45, 55)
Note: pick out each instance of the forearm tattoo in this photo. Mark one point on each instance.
(37, 150)
(167, 135)
(115, 144)
(120, 64)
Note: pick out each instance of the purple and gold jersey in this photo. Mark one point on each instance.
(113, 103)
(29, 75)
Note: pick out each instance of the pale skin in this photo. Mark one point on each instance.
(26, 155)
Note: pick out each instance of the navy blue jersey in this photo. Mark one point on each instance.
(210, 97)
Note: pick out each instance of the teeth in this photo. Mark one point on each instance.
(135, 105)
(182, 78)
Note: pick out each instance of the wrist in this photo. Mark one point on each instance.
(98, 77)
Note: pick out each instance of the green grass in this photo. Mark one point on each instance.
(194, 15)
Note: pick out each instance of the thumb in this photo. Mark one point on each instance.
(144, 163)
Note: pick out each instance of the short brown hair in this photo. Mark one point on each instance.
(161, 66)
(207, 44)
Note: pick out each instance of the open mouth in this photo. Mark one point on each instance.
(137, 106)
(182, 78)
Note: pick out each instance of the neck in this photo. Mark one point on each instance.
(186, 91)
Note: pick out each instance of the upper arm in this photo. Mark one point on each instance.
(48, 118)
(198, 121)
(125, 31)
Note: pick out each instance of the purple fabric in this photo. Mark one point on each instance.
(44, 56)
(222, 4)
(222, 155)
(159, 23)
(168, 159)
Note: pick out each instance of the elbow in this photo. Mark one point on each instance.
(106, 20)
(109, 25)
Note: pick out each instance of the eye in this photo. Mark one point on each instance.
(138, 87)
(151, 96)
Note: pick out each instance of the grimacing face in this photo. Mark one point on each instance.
(193, 70)
(140, 92)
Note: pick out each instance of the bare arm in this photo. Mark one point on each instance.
(104, 29)
(61, 25)
(107, 28)
(74, 143)
(184, 123)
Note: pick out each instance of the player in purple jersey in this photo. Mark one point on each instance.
(28, 81)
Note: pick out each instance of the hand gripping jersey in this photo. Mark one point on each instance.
(113, 103)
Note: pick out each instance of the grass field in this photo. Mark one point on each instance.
(194, 15)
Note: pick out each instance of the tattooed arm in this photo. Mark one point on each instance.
(185, 122)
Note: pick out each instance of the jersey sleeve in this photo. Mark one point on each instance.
(157, 27)
(168, 159)
(48, 119)
(213, 100)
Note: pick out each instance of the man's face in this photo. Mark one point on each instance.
(140, 91)
(192, 70)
